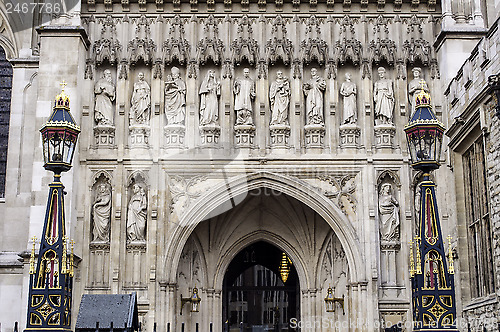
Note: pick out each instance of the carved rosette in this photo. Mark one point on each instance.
(210, 135)
(174, 136)
(104, 136)
(139, 136)
(280, 135)
(384, 136)
(315, 135)
(244, 135)
(349, 136)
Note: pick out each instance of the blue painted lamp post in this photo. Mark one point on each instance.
(51, 280)
(432, 279)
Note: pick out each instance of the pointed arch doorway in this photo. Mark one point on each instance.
(255, 297)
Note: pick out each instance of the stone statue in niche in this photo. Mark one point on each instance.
(388, 208)
(137, 213)
(175, 98)
(314, 89)
(279, 95)
(209, 104)
(383, 95)
(416, 85)
(348, 91)
(141, 102)
(101, 213)
(244, 94)
(104, 91)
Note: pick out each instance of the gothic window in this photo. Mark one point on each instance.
(478, 221)
(5, 95)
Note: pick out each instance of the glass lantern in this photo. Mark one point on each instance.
(195, 301)
(424, 134)
(59, 136)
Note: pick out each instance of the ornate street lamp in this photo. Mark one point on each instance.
(432, 280)
(194, 300)
(51, 281)
(330, 300)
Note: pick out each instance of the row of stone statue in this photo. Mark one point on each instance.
(136, 214)
(244, 94)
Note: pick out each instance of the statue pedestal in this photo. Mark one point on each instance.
(210, 135)
(349, 135)
(384, 136)
(244, 135)
(139, 136)
(315, 135)
(280, 133)
(174, 135)
(388, 262)
(104, 136)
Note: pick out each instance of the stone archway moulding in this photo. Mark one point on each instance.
(225, 192)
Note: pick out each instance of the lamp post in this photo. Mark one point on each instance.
(51, 280)
(433, 287)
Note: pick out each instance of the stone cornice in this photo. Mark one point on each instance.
(64, 30)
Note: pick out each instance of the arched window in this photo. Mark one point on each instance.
(5, 96)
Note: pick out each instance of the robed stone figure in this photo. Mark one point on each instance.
(137, 213)
(383, 96)
(314, 89)
(104, 91)
(175, 98)
(279, 95)
(416, 85)
(348, 91)
(209, 102)
(244, 94)
(141, 102)
(101, 213)
(388, 208)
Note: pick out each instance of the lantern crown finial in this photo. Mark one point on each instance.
(62, 99)
(423, 98)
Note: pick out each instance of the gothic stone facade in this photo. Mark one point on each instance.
(164, 194)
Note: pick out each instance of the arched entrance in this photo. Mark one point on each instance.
(256, 297)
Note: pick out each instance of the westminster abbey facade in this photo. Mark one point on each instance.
(253, 151)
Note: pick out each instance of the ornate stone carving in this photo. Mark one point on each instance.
(142, 47)
(334, 267)
(342, 192)
(175, 98)
(348, 48)
(383, 95)
(314, 90)
(313, 48)
(101, 212)
(348, 91)
(244, 94)
(279, 95)
(244, 135)
(388, 208)
(210, 47)
(209, 103)
(315, 135)
(137, 213)
(104, 91)
(176, 47)
(245, 47)
(140, 109)
(108, 47)
(182, 191)
(104, 136)
(349, 135)
(279, 47)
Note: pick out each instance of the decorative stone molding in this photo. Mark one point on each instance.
(279, 47)
(108, 47)
(136, 246)
(176, 47)
(142, 47)
(315, 135)
(99, 245)
(349, 136)
(279, 136)
(210, 47)
(244, 135)
(174, 136)
(313, 48)
(139, 136)
(245, 47)
(182, 190)
(210, 135)
(104, 136)
(384, 136)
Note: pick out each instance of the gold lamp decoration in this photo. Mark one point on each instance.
(194, 300)
(330, 300)
(284, 267)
